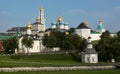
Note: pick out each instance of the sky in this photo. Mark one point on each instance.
(16, 13)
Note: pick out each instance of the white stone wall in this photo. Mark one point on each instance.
(95, 37)
(85, 33)
(61, 26)
(89, 58)
(41, 27)
(34, 27)
(66, 27)
(37, 47)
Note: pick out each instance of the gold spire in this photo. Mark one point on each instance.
(41, 8)
(28, 25)
(100, 20)
(85, 22)
(59, 19)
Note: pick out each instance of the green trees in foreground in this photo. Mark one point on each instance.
(10, 45)
(64, 40)
(108, 47)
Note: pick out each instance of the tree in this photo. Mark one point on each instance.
(108, 47)
(104, 47)
(71, 30)
(48, 41)
(27, 42)
(10, 45)
(64, 41)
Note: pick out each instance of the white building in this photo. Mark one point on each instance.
(89, 55)
(84, 31)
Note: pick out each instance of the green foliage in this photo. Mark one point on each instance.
(64, 41)
(71, 30)
(108, 47)
(10, 45)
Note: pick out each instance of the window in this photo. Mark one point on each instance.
(87, 59)
(93, 59)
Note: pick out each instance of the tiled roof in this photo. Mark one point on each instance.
(16, 29)
(90, 51)
(83, 26)
(5, 36)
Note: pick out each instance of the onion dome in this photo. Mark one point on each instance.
(41, 8)
(53, 23)
(59, 19)
(65, 23)
(61, 22)
(100, 26)
(28, 25)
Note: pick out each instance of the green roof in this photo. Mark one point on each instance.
(95, 32)
(5, 37)
(100, 27)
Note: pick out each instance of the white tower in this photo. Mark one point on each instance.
(41, 16)
(83, 30)
(28, 28)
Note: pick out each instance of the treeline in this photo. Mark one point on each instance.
(109, 47)
(64, 40)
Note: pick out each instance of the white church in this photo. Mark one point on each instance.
(34, 31)
(89, 55)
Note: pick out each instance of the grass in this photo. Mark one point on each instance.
(68, 72)
(41, 60)
(37, 60)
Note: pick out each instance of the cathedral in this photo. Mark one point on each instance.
(35, 31)
(60, 24)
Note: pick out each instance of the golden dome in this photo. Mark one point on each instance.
(59, 19)
(41, 8)
(28, 25)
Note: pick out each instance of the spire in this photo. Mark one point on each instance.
(28, 25)
(100, 22)
(28, 28)
(41, 8)
(85, 22)
(41, 16)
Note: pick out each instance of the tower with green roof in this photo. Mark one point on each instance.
(100, 27)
